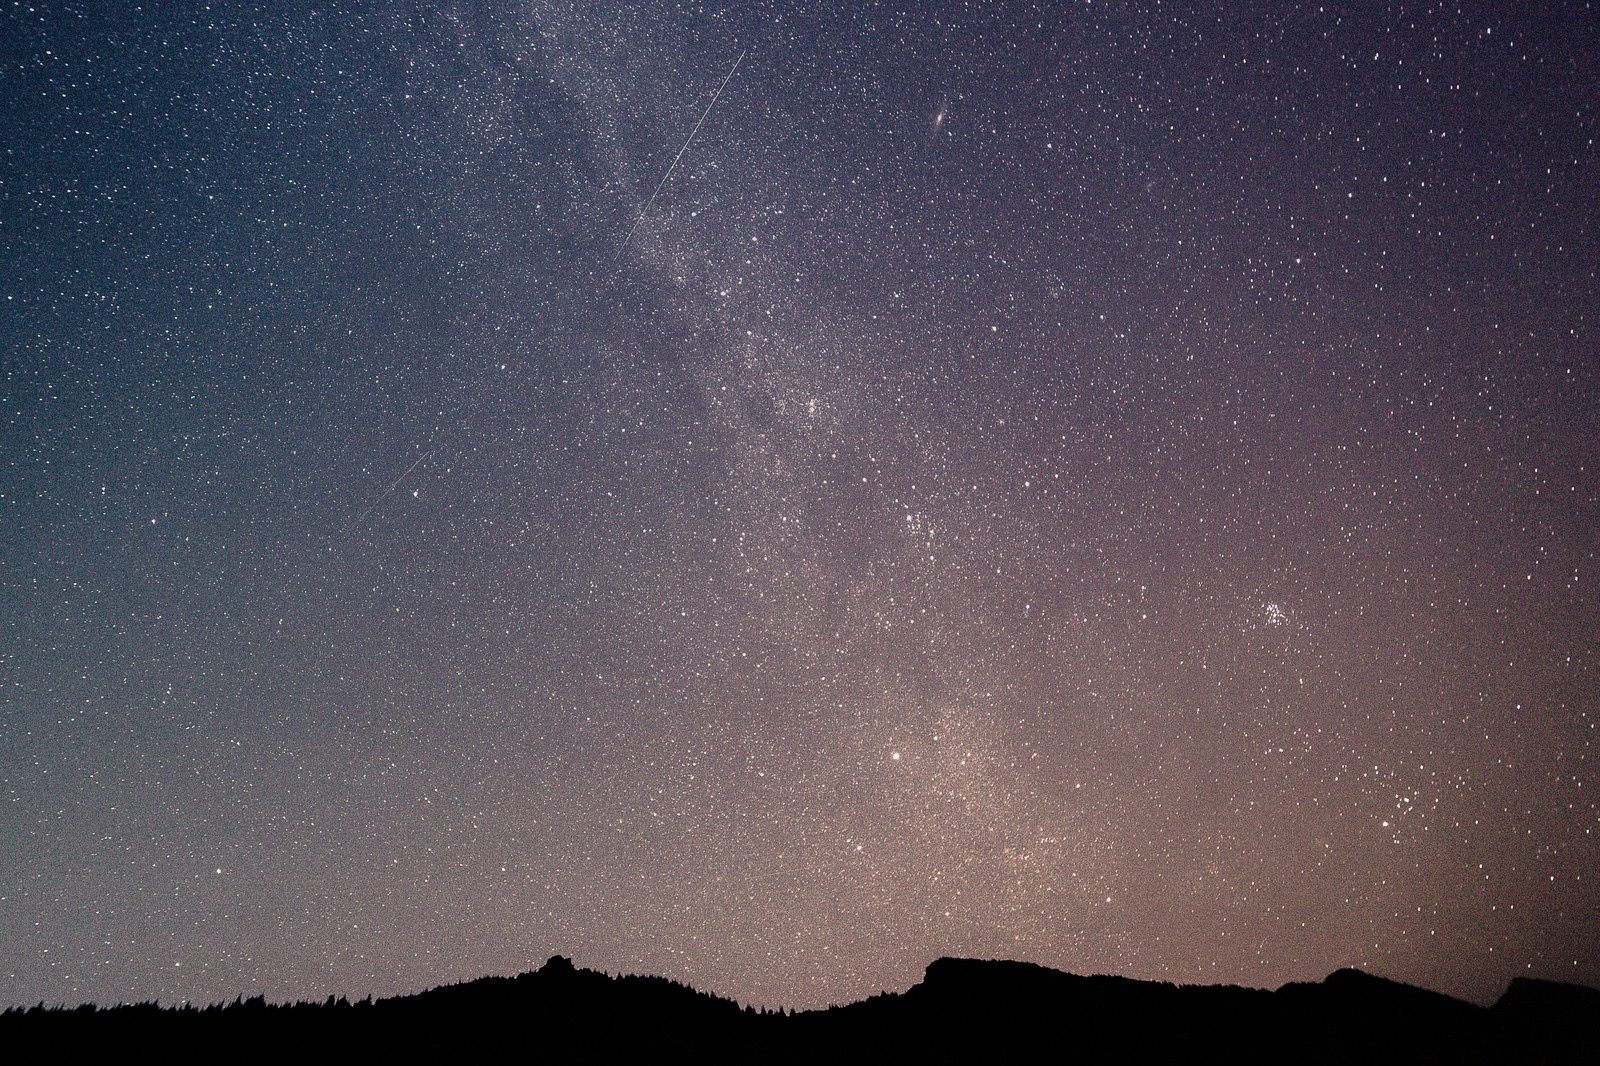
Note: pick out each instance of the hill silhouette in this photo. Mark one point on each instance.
(963, 1008)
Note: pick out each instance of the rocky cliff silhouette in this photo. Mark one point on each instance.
(963, 1009)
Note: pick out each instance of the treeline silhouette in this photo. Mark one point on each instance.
(963, 1009)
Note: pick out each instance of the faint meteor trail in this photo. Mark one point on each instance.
(385, 494)
(645, 210)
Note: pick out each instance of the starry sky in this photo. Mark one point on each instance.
(770, 494)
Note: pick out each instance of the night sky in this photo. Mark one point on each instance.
(1109, 485)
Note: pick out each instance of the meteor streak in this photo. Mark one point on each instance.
(645, 210)
(373, 506)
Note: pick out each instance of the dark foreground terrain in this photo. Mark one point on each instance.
(962, 1010)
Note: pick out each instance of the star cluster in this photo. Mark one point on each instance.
(1106, 485)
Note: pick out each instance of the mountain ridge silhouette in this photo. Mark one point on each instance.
(960, 1009)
